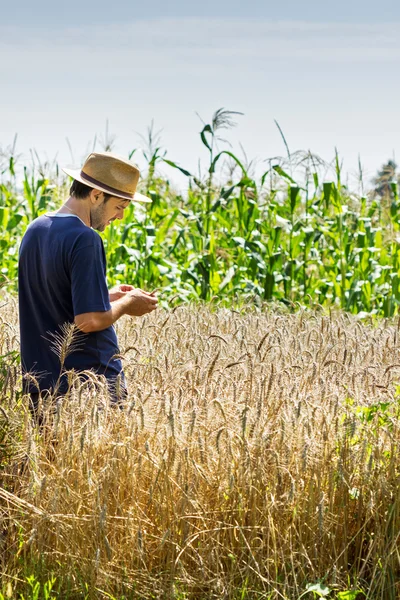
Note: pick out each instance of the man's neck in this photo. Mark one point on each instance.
(80, 208)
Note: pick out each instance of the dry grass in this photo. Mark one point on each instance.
(259, 452)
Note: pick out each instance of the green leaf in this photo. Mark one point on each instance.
(395, 189)
(294, 196)
(240, 241)
(328, 185)
(226, 193)
(264, 176)
(227, 279)
(206, 129)
(12, 165)
(348, 595)
(175, 166)
(283, 138)
(320, 588)
(283, 173)
(235, 158)
(4, 215)
(317, 588)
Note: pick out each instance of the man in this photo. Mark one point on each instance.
(62, 280)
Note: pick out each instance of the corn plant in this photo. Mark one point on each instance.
(292, 234)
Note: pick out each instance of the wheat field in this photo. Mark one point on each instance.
(257, 457)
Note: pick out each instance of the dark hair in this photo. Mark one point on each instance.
(79, 191)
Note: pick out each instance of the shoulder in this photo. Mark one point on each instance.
(88, 237)
(73, 231)
(39, 222)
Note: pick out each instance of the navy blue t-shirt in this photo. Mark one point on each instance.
(62, 273)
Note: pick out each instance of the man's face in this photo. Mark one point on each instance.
(104, 212)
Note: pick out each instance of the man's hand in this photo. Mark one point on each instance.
(119, 290)
(138, 303)
(134, 302)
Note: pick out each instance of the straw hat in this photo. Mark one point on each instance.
(111, 174)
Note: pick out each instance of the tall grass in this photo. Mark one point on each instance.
(294, 233)
(257, 458)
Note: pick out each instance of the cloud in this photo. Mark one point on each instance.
(179, 43)
(312, 77)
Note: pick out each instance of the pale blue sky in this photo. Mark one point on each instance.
(328, 72)
(46, 12)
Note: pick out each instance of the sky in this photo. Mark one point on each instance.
(327, 72)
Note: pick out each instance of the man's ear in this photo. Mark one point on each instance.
(95, 196)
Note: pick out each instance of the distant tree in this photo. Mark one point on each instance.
(384, 177)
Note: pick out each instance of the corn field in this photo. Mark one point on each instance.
(295, 233)
(257, 457)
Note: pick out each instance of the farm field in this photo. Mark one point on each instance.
(257, 458)
(257, 455)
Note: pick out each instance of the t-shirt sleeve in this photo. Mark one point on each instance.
(88, 276)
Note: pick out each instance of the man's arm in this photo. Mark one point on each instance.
(134, 303)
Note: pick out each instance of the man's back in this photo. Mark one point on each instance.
(61, 275)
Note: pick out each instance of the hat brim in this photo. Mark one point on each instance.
(76, 174)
